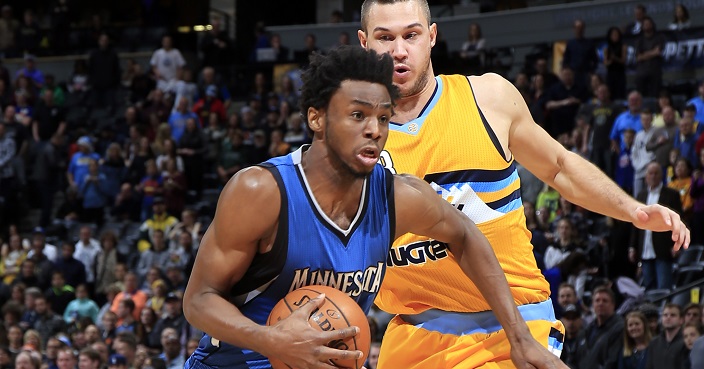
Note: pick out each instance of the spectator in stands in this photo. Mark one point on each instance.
(108, 324)
(664, 102)
(210, 103)
(10, 184)
(110, 292)
(40, 247)
(698, 103)
(186, 88)
(639, 153)
(625, 173)
(572, 320)
(174, 187)
(178, 118)
(140, 85)
(169, 152)
(281, 52)
(128, 206)
(654, 248)
(125, 314)
(30, 71)
(682, 184)
(615, 61)
(627, 119)
(681, 18)
(87, 251)
(602, 114)
(163, 133)
(160, 220)
(172, 317)
(192, 148)
(636, 337)
(48, 323)
(137, 161)
(166, 64)
(133, 292)
(563, 101)
(151, 187)
(597, 344)
(232, 157)
(301, 56)
(95, 194)
(114, 169)
(667, 350)
(563, 246)
(649, 59)
(635, 27)
(6, 94)
(157, 106)
(50, 84)
(216, 46)
(48, 118)
(125, 344)
(89, 359)
(72, 270)
(208, 78)
(663, 138)
(78, 168)
(692, 314)
(157, 256)
(580, 55)
(472, 51)
(697, 193)
(104, 73)
(81, 307)
(104, 264)
(686, 139)
(78, 84)
(8, 30)
(170, 341)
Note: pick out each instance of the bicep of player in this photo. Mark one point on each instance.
(233, 238)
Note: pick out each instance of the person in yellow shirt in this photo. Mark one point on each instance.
(682, 183)
(461, 134)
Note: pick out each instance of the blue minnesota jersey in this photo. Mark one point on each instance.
(310, 249)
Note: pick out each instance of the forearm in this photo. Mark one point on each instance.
(479, 263)
(212, 314)
(583, 184)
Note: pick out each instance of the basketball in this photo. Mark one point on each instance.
(338, 311)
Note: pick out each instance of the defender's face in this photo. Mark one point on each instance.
(356, 125)
(402, 30)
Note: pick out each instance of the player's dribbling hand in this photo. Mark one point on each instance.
(529, 354)
(658, 218)
(303, 347)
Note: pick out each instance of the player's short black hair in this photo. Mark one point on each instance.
(326, 73)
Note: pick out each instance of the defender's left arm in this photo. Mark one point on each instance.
(578, 180)
(421, 211)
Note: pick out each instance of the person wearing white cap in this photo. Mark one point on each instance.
(78, 168)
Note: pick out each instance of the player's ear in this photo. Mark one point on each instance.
(315, 121)
(362, 38)
(433, 34)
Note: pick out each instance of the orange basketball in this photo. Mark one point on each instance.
(338, 311)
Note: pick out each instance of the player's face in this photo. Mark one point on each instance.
(357, 125)
(402, 30)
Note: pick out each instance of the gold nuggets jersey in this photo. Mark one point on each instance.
(452, 147)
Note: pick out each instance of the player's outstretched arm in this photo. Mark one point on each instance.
(245, 223)
(421, 211)
(575, 178)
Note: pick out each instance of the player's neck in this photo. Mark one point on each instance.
(336, 190)
(409, 107)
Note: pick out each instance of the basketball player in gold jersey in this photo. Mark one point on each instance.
(462, 134)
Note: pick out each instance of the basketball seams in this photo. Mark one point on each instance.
(354, 338)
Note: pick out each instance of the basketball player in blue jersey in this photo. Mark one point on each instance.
(326, 214)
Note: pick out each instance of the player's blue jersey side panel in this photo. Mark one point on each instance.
(319, 253)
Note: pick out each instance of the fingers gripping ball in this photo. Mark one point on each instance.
(338, 311)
